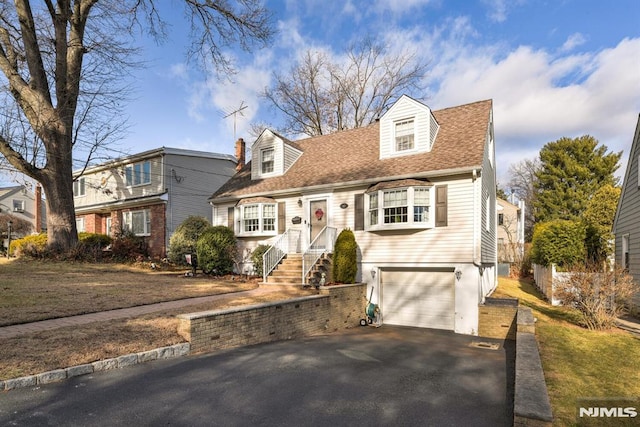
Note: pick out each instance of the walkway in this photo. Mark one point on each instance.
(123, 313)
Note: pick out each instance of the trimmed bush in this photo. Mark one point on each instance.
(215, 249)
(345, 257)
(97, 240)
(256, 258)
(184, 239)
(558, 242)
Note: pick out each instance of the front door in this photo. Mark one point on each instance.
(317, 217)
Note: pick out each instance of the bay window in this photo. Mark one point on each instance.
(407, 207)
(257, 218)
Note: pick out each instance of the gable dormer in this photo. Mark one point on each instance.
(407, 128)
(272, 155)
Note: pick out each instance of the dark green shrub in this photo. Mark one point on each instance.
(345, 257)
(126, 246)
(184, 239)
(559, 242)
(256, 258)
(215, 249)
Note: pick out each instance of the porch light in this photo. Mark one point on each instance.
(458, 274)
(300, 203)
(373, 273)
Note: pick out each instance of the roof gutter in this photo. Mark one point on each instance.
(357, 183)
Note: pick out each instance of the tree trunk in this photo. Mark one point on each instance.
(57, 183)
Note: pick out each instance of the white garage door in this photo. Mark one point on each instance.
(418, 298)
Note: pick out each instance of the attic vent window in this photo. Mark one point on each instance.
(267, 160)
(404, 135)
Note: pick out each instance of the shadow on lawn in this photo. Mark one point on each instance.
(536, 301)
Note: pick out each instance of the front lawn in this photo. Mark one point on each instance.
(36, 290)
(577, 363)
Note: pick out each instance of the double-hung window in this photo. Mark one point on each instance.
(138, 222)
(259, 218)
(408, 207)
(138, 173)
(267, 160)
(404, 131)
(79, 187)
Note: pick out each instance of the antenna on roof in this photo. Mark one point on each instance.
(234, 113)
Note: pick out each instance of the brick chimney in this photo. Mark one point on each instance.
(38, 209)
(240, 149)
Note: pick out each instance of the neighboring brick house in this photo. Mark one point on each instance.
(510, 231)
(418, 188)
(626, 225)
(149, 193)
(21, 202)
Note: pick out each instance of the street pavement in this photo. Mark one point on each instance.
(388, 376)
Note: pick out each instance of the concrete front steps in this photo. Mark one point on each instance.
(289, 272)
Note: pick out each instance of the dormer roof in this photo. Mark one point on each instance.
(352, 157)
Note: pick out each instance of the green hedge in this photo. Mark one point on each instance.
(256, 258)
(345, 257)
(559, 242)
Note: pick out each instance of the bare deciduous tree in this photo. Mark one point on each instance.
(61, 63)
(522, 178)
(320, 95)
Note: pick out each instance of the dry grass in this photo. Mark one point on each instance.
(36, 290)
(60, 348)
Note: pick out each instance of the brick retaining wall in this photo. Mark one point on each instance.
(337, 307)
(497, 318)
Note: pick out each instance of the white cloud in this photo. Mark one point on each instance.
(399, 6)
(573, 41)
(539, 97)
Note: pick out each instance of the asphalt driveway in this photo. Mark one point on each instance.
(388, 376)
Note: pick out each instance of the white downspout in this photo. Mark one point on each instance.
(476, 218)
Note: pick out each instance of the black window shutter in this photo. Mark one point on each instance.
(441, 206)
(230, 218)
(358, 203)
(282, 218)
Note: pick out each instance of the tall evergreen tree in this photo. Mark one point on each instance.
(571, 172)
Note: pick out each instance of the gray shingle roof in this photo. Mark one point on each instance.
(353, 155)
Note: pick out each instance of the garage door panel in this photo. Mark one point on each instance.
(418, 298)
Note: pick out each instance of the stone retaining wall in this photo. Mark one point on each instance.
(531, 406)
(497, 318)
(337, 307)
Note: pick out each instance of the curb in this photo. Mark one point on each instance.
(170, 352)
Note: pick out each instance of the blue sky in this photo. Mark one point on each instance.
(553, 68)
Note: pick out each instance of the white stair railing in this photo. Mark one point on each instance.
(323, 243)
(287, 242)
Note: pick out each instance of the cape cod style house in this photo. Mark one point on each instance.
(149, 193)
(418, 189)
(626, 225)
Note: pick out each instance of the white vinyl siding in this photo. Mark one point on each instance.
(397, 118)
(438, 244)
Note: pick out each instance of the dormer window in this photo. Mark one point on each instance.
(404, 131)
(267, 160)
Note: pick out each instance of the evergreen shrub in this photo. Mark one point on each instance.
(345, 257)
